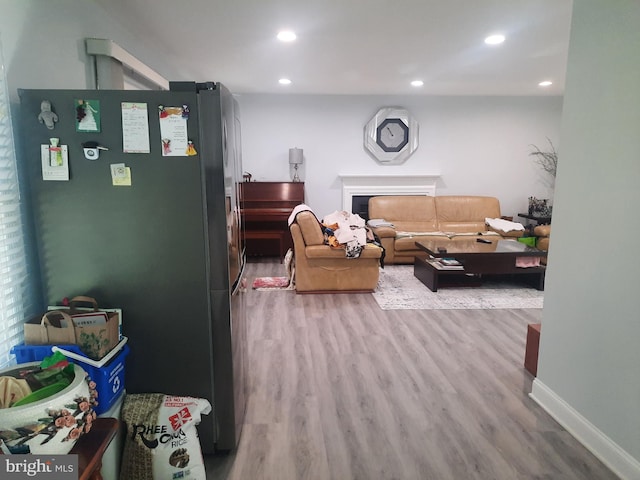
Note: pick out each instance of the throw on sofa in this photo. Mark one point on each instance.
(321, 268)
(420, 217)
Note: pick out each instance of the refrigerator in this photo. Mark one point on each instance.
(150, 226)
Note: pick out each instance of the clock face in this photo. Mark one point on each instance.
(391, 136)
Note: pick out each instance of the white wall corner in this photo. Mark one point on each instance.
(605, 449)
(109, 48)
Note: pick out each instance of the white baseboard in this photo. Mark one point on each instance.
(605, 449)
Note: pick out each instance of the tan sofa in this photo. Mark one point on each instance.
(321, 268)
(421, 217)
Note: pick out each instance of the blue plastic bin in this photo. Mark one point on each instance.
(109, 378)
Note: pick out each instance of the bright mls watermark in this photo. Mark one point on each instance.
(51, 467)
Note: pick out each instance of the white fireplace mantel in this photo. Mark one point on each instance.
(355, 185)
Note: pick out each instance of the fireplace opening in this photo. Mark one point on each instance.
(360, 205)
(358, 189)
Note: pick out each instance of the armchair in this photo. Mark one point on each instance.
(321, 268)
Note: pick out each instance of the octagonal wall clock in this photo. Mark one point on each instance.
(391, 136)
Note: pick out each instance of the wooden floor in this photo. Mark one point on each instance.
(339, 389)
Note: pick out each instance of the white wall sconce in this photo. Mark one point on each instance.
(295, 159)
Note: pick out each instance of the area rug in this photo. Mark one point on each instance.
(398, 289)
(271, 283)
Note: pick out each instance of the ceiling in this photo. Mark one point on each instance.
(359, 46)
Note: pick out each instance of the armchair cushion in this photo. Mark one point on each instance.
(320, 251)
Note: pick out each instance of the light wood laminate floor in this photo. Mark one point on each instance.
(339, 389)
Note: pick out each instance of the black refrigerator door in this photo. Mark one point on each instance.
(226, 262)
(218, 125)
(145, 248)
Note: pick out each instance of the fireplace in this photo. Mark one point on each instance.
(360, 205)
(357, 189)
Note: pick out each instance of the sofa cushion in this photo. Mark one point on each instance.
(465, 213)
(412, 213)
(310, 228)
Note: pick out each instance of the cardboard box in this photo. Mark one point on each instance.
(96, 333)
(531, 349)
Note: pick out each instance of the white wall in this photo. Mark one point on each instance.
(479, 145)
(43, 44)
(589, 363)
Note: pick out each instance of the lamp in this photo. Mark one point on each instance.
(295, 159)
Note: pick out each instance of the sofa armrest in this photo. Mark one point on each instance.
(384, 232)
(542, 231)
(510, 234)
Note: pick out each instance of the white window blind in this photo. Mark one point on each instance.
(14, 282)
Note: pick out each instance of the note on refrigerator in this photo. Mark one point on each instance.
(135, 128)
(55, 162)
(173, 131)
(120, 175)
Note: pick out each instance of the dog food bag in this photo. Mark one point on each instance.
(162, 441)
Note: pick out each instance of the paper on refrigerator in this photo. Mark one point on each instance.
(55, 162)
(173, 131)
(135, 128)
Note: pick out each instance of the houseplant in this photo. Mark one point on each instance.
(548, 161)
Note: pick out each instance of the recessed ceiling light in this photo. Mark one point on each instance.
(284, 81)
(417, 83)
(546, 83)
(494, 39)
(286, 36)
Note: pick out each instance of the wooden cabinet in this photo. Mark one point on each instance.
(265, 208)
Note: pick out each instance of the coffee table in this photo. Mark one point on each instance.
(476, 259)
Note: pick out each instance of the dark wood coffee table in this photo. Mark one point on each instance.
(477, 259)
